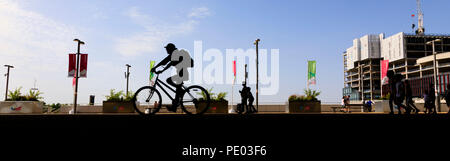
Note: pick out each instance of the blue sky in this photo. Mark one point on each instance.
(36, 36)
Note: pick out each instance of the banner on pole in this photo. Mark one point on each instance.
(72, 62)
(74, 80)
(152, 64)
(83, 65)
(384, 70)
(234, 72)
(312, 73)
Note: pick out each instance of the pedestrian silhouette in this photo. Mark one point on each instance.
(409, 98)
(430, 99)
(400, 94)
(390, 75)
(447, 97)
(246, 95)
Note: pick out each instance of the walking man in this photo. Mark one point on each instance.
(409, 100)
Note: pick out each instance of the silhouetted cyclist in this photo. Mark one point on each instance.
(170, 48)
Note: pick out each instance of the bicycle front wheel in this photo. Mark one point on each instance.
(195, 101)
(147, 101)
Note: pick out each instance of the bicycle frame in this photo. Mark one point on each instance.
(158, 84)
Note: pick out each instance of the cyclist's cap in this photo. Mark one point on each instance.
(170, 46)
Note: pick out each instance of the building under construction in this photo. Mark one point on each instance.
(408, 54)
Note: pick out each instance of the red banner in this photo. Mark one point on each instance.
(384, 70)
(83, 65)
(234, 68)
(72, 62)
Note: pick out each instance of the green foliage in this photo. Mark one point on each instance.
(310, 95)
(16, 95)
(119, 96)
(114, 96)
(129, 96)
(53, 107)
(221, 96)
(34, 95)
(214, 97)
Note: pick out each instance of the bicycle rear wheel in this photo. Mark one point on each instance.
(147, 101)
(195, 101)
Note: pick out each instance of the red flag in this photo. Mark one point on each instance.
(384, 70)
(83, 65)
(234, 68)
(413, 15)
(72, 62)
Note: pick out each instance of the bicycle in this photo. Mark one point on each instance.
(148, 101)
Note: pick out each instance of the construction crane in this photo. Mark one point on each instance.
(420, 30)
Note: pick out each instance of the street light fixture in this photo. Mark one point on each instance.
(257, 73)
(438, 102)
(77, 75)
(127, 75)
(7, 80)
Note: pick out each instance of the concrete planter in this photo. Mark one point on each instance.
(304, 107)
(118, 107)
(216, 107)
(21, 107)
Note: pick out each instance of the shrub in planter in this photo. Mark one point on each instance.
(307, 103)
(22, 104)
(118, 102)
(219, 105)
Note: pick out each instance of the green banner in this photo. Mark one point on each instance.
(312, 72)
(152, 64)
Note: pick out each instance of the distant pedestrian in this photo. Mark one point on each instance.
(390, 76)
(430, 99)
(369, 105)
(447, 97)
(400, 94)
(409, 98)
(433, 100)
(426, 100)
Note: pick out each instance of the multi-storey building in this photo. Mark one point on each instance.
(408, 54)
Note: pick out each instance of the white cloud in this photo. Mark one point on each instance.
(201, 12)
(156, 32)
(36, 45)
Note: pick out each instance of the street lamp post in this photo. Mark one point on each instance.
(438, 102)
(77, 71)
(7, 80)
(257, 73)
(127, 75)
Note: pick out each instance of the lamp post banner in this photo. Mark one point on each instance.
(384, 70)
(72, 62)
(312, 73)
(83, 65)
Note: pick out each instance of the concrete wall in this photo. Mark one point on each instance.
(380, 106)
(370, 47)
(393, 48)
